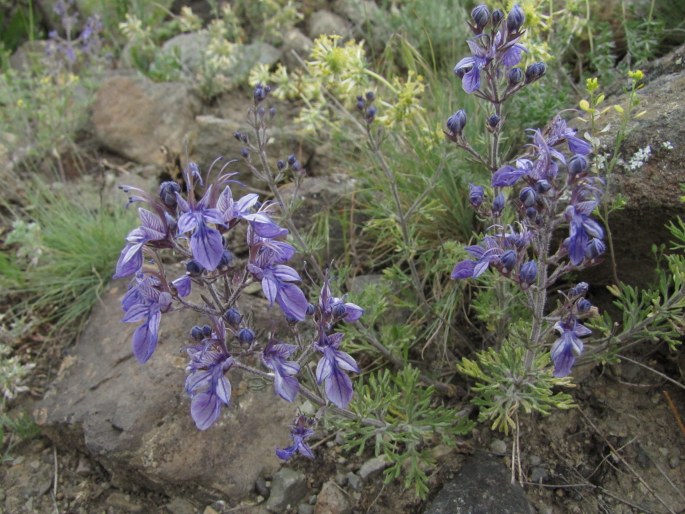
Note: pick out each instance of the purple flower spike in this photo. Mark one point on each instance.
(568, 347)
(206, 242)
(300, 432)
(152, 228)
(274, 358)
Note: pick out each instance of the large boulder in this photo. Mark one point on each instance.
(134, 117)
(135, 419)
(651, 171)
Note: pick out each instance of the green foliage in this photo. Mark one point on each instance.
(78, 243)
(16, 429)
(411, 421)
(506, 385)
(269, 20)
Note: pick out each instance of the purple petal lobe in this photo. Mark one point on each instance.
(205, 409)
(462, 270)
(207, 246)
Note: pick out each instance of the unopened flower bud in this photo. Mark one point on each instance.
(542, 186)
(481, 16)
(528, 272)
(528, 196)
(272, 112)
(498, 204)
(226, 258)
(280, 164)
(339, 310)
(515, 18)
(580, 289)
(497, 17)
(194, 268)
(370, 96)
(206, 331)
(233, 317)
(577, 165)
(516, 76)
(535, 71)
(371, 114)
(508, 260)
(493, 120)
(583, 306)
(456, 123)
(245, 152)
(361, 104)
(532, 213)
(292, 159)
(311, 309)
(476, 195)
(245, 336)
(167, 192)
(260, 92)
(196, 333)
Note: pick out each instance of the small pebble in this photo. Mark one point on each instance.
(261, 487)
(674, 461)
(539, 474)
(305, 508)
(535, 460)
(498, 447)
(354, 481)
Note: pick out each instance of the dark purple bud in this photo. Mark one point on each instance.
(542, 186)
(361, 104)
(508, 260)
(233, 317)
(371, 114)
(167, 192)
(480, 16)
(238, 135)
(261, 112)
(516, 76)
(594, 249)
(311, 309)
(476, 195)
(196, 333)
(583, 306)
(206, 331)
(296, 166)
(535, 71)
(226, 258)
(528, 272)
(577, 165)
(194, 268)
(493, 121)
(515, 18)
(280, 164)
(457, 122)
(497, 17)
(580, 289)
(339, 310)
(245, 152)
(532, 213)
(528, 196)
(498, 204)
(292, 159)
(260, 92)
(246, 336)
(370, 96)
(272, 112)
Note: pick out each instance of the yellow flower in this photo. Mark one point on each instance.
(636, 75)
(591, 84)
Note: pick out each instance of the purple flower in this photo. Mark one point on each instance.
(300, 432)
(488, 252)
(206, 242)
(274, 358)
(333, 309)
(568, 347)
(559, 131)
(581, 229)
(206, 383)
(260, 222)
(152, 228)
(145, 302)
(332, 367)
(183, 285)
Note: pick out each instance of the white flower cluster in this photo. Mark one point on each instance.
(640, 158)
(667, 145)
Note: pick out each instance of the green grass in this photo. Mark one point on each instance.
(80, 242)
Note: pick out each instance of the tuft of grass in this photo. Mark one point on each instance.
(79, 244)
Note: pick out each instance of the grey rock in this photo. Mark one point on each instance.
(373, 467)
(325, 22)
(498, 447)
(261, 487)
(134, 419)
(248, 56)
(482, 486)
(181, 506)
(539, 474)
(653, 198)
(354, 481)
(134, 117)
(305, 508)
(288, 487)
(369, 21)
(190, 48)
(332, 500)
(122, 503)
(295, 42)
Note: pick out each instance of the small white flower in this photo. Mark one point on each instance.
(640, 158)
(667, 145)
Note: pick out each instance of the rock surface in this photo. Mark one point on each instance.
(133, 117)
(651, 189)
(332, 500)
(482, 486)
(287, 488)
(135, 421)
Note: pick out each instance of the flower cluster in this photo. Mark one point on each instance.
(550, 186)
(196, 222)
(88, 42)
